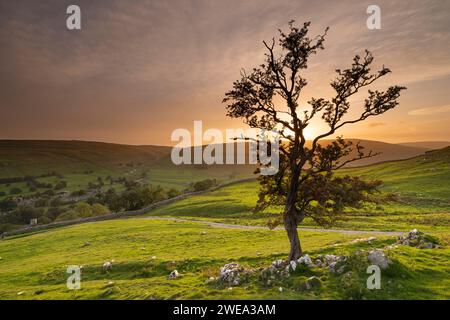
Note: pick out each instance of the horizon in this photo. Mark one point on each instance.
(205, 143)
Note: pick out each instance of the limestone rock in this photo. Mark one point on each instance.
(377, 257)
(173, 275)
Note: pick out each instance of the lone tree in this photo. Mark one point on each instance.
(305, 184)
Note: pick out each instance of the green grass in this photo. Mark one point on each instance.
(423, 178)
(35, 265)
(422, 186)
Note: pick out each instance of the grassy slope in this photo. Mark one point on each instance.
(422, 184)
(35, 265)
(34, 157)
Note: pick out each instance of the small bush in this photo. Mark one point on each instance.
(15, 191)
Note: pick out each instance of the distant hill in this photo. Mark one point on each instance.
(29, 157)
(427, 144)
(388, 151)
(424, 176)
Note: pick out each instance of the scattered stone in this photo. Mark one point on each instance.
(305, 260)
(258, 253)
(153, 257)
(391, 247)
(280, 289)
(174, 274)
(293, 265)
(87, 244)
(204, 233)
(110, 284)
(333, 262)
(278, 263)
(107, 265)
(20, 293)
(417, 239)
(210, 280)
(143, 248)
(377, 257)
(232, 274)
(310, 283)
(369, 240)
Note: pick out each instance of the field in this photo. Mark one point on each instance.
(421, 185)
(145, 249)
(34, 267)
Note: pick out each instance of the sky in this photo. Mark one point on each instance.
(137, 70)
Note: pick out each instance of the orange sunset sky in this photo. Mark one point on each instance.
(137, 70)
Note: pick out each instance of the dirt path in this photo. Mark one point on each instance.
(243, 227)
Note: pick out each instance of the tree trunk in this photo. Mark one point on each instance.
(290, 224)
(291, 218)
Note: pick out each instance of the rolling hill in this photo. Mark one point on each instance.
(427, 144)
(31, 157)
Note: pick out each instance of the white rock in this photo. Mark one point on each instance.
(107, 265)
(306, 260)
(280, 289)
(277, 263)
(377, 257)
(293, 265)
(174, 274)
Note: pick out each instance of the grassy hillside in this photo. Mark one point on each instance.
(32, 157)
(145, 252)
(421, 186)
(35, 157)
(387, 151)
(427, 144)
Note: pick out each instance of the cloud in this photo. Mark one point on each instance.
(430, 111)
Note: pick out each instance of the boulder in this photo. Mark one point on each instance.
(278, 263)
(107, 266)
(305, 260)
(377, 257)
(369, 240)
(232, 274)
(417, 239)
(293, 265)
(310, 283)
(173, 275)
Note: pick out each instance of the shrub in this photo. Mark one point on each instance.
(68, 215)
(53, 212)
(173, 193)
(42, 202)
(60, 185)
(204, 184)
(78, 193)
(99, 210)
(23, 215)
(7, 205)
(44, 220)
(14, 191)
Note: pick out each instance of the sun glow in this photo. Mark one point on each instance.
(308, 133)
